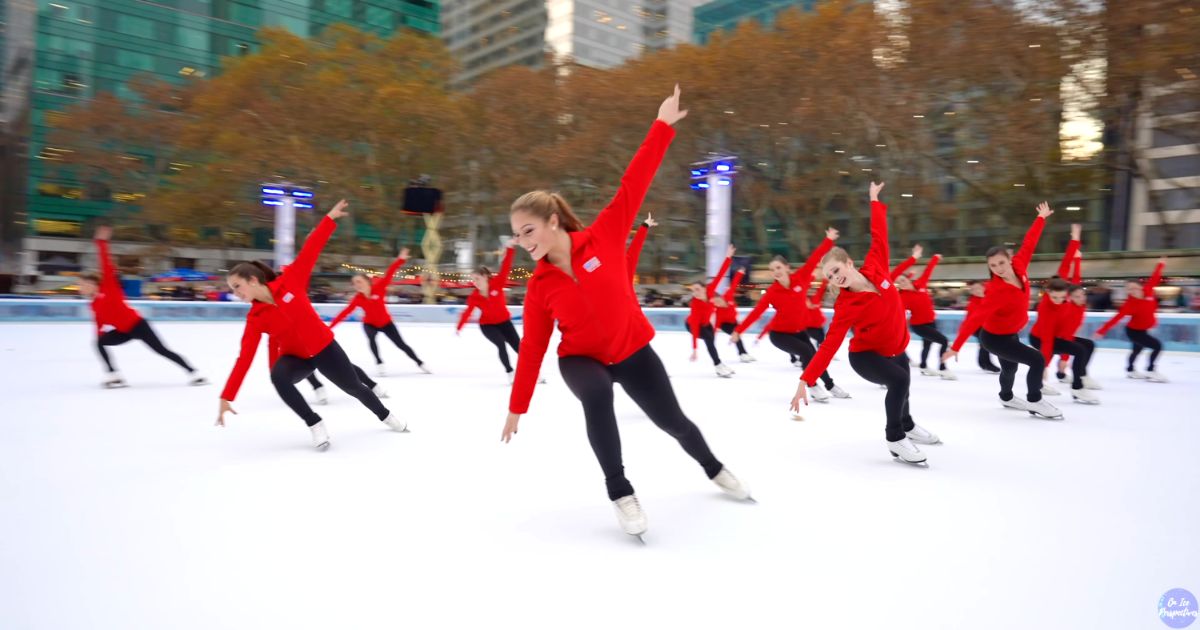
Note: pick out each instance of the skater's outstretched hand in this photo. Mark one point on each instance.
(510, 427)
(1162, 260)
(801, 394)
(917, 250)
(1044, 210)
(650, 222)
(339, 210)
(104, 233)
(832, 234)
(875, 190)
(735, 337)
(403, 253)
(948, 354)
(225, 406)
(669, 111)
(1076, 231)
(693, 359)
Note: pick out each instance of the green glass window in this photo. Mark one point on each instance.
(191, 38)
(245, 14)
(378, 16)
(134, 25)
(133, 59)
(340, 8)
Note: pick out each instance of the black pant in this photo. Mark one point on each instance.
(362, 376)
(1142, 339)
(817, 334)
(143, 332)
(391, 333)
(1081, 349)
(336, 366)
(728, 328)
(502, 333)
(985, 357)
(710, 342)
(645, 379)
(930, 335)
(892, 372)
(797, 343)
(1012, 352)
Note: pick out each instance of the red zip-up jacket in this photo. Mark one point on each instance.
(291, 324)
(1071, 318)
(1005, 308)
(1049, 318)
(816, 316)
(791, 309)
(1139, 310)
(635, 249)
(597, 311)
(702, 310)
(728, 314)
(918, 302)
(108, 303)
(876, 317)
(492, 309)
(374, 306)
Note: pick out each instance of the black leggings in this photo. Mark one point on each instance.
(1012, 352)
(502, 333)
(143, 332)
(930, 335)
(817, 334)
(1142, 339)
(985, 357)
(892, 372)
(644, 378)
(362, 376)
(797, 343)
(336, 366)
(710, 342)
(391, 333)
(1081, 349)
(728, 328)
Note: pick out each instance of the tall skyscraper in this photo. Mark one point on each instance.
(725, 15)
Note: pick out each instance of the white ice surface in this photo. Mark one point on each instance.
(128, 509)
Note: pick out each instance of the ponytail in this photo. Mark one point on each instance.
(836, 254)
(544, 204)
(483, 271)
(256, 269)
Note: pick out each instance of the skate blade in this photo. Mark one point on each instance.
(1045, 417)
(114, 385)
(322, 447)
(1086, 402)
(823, 401)
(639, 539)
(198, 382)
(923, 463)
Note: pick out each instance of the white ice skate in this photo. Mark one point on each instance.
(320, 436)
(424, 369)
(818, 393)
(630, 516)
(510, 378)
(196, 378)
(746, 358)
(1154, 377)
(113, 380)
(921, 435)
(1084, 397)
(320, 397)
(1134, 374)
(395, 423)
(732, 486)
(724, 371)
(1050, 390)
(947, 375)
(928, 371)
(1015, 403)
(380, 369)
(838, 392)
(797, 363)
(379, 391)
(905, 451)
(1043, 409)
(1091, 383)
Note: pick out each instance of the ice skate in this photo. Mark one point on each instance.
(838, 392)
(1015, 403)
(818, 393)
(947, 375)
(1154, 377)
(746, 358)
(926, 371)
(421, 366)
(510, 378)
(320, 436)
(732, 486)
(920, 435)
(379, 391)
(1043, 409)
(114, 380)
(724, 371)
(1050, 390)
(1084, 396)
(380, 369)
(195, 378)
(797, 363)
(395, 423)
(321, 397)
(630, 516)
(1091, 383)
(1134, 374)
(905, 451)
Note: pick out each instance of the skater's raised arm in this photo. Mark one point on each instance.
(1020, 262)
(917, 250)
(805, 273)
(879, 253)
(299, 272)
(923, 281)
(1077, 269)
(635, 248)
(731, 292)
(501, 276)
(110, 281)
(614, 220)
(1155, 278)
(1064, 267)
(380, 285)
(716, 281)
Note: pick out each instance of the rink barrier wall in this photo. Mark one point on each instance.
(1178, 331)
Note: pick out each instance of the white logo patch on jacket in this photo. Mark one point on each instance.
(288, 297)
(591, 265)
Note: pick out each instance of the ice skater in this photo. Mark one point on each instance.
(700, 318)
(371, 296)
(1001, 317)
(579, 271)
(921, 316)
(1070, 319)
(975, 293)
(116, 322)
(495, 322)
(1047, 336)
(298, 340)
(1140, 307)
(869, 305)
(727, 314)
(789, 295)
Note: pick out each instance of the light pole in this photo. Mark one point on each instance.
(715, 177)
(286, 199)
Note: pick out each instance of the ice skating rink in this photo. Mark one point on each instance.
(129, 509)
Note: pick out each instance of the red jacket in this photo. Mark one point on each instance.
(728, 314)
(374, 306)
(876, 317)
(1005, 308)
(702, 310)
(597, 310)
(635, 249)
(1070, 319)
(492, 309)
(1050, 318)
(816, 316)
(791, 307)
(291, 324)
(1139, 310)
(918, 302)
(108, 304)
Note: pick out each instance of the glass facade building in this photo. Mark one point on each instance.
(725, 15)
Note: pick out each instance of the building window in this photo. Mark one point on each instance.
(1175, 136)
(134, 25)
(1175, 199)
(1182, 166)
(378, 16)
(340, 8)
(192, 38)
(135, 60)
